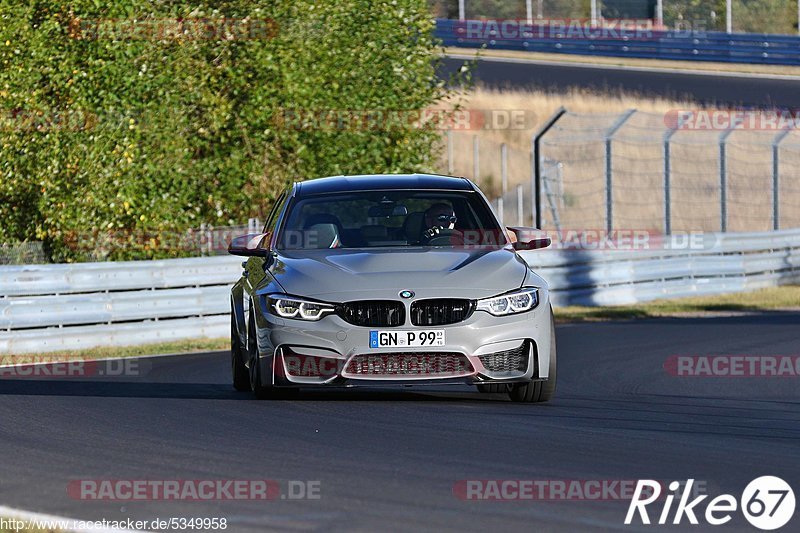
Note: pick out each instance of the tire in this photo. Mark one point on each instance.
(539, 391)
(239, 373)
(493, 388)
(254, 369)
(255, 384)
(262, 392)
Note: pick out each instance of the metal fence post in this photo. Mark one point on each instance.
(520, 206)
(500, 213)
(729, 16)
(723, 180)
(536, 166)
(504, 168)
(202, 236)
(476, 161)
(450, 165)
(609, 167)
(776, 178)
(667, 178)
(503, 177)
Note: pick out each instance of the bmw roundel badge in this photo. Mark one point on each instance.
(406, 294)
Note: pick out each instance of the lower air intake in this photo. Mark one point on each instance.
(515, 360)
(409, 365)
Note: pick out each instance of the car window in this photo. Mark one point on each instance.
(368, 219)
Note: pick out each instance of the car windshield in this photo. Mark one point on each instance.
(371, 219)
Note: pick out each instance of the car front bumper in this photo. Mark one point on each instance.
(331, 352)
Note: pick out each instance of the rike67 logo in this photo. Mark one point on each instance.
(767, 503)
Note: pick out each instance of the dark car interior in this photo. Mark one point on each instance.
(365, 220)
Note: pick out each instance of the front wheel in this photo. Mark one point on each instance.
(241, 378)
(255, 382)
(539, 391)
(493, 388)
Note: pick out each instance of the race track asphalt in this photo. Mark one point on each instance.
(733, 90)
(389, 460)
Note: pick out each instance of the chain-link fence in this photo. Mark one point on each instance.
(24, 253)
(682, 171)
(504, 9)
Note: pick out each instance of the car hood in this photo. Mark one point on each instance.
(342, 275)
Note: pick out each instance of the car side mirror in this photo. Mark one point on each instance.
(250, 245)
(529, 238)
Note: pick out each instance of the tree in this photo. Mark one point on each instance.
(134, 122)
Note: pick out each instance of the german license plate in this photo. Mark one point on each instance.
(406, 339)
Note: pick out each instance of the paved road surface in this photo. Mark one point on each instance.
(710, 89)
(390, 459)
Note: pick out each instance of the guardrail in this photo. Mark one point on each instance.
(721, 263)
(74, 306)
(59, 307)
(656, 44)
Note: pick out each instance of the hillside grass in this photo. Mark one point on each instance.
(705, 66)
(187, 346)
(773, 299)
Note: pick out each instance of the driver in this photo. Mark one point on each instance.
(439, 217)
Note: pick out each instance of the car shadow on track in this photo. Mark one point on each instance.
(652, 414)
(210, 391)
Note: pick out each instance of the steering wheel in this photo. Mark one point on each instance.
(438, 236)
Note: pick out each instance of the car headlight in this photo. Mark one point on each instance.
(511, 303)
(291, 307)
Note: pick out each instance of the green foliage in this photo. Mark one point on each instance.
(754, 16)
(765, 16)
(476, 9)
(108, 129)
(510, 9)
(695, 14)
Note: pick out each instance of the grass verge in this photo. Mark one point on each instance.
(773, 299)
(113, 352)
(706, 66)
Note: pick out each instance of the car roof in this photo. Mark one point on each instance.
(377, 182)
